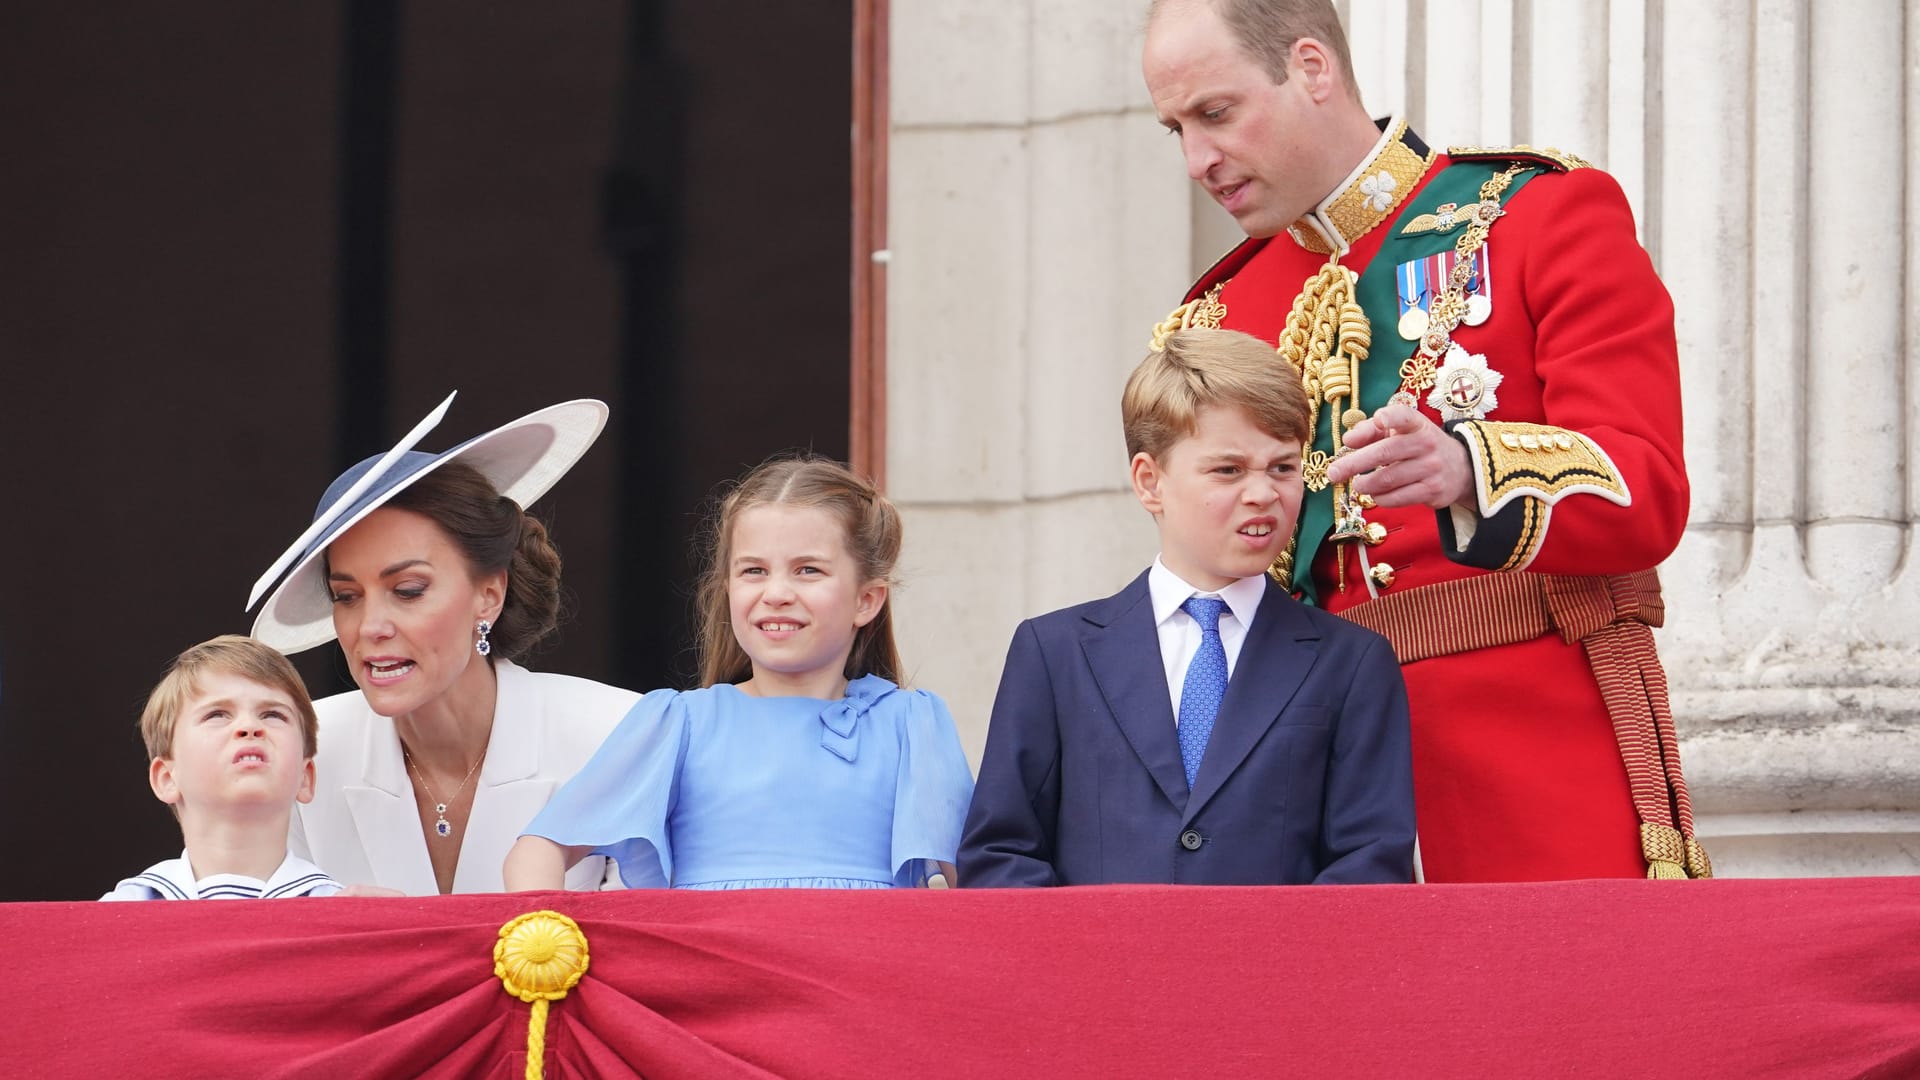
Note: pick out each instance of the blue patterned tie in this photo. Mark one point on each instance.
(1206, 683)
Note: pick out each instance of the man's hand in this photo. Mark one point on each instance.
(1401, 458)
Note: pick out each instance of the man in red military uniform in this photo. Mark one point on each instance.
(1497, 466)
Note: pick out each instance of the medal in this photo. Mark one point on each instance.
(1479, 289)
(1463, 388)
(1414, 282)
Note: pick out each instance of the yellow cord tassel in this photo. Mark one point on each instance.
(1667, 852)
(539, 957)
(1326, 337)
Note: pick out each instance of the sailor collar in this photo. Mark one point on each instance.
(1369, 195)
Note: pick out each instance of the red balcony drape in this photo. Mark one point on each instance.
(1804, 978)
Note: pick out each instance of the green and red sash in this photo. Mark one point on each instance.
(1379, 297)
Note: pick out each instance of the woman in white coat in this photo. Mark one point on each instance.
(435, 582)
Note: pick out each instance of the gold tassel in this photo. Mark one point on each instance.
(1698, 865)
(1665, 851)
(539, 957)
(1326, 337)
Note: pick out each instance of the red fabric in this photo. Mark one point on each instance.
(1596, 978)
(1517, 773)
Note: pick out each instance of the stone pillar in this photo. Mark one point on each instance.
(1039, 227)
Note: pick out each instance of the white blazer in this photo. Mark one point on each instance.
(363, 825)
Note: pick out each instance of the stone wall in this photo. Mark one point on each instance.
(1041, 222)
(1038, 228)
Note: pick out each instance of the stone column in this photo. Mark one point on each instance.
(1039, 228)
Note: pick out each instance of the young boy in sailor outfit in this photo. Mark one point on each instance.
(230, 733)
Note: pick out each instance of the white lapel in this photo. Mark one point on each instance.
(386, 815)
(511, 787)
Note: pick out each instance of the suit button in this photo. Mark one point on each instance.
(1190, 840)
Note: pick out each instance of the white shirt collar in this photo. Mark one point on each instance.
(1168, 591)
(174, 880)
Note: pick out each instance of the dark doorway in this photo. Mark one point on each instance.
(246, 245)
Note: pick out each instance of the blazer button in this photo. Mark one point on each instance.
(1190, 840)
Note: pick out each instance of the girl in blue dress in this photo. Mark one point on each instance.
(799, 762)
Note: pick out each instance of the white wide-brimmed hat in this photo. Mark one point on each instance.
(522, 460)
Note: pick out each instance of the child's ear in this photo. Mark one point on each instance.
(305, 794)
(1145, 474)
(873, 597)
(160, 778)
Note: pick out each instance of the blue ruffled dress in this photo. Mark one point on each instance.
(716, 789)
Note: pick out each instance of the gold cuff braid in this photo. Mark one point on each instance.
(1513, 459)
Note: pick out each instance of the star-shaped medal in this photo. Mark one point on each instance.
(1463, 388)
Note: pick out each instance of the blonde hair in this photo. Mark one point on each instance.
(231, 654)
(871, 528)
(1198, 368)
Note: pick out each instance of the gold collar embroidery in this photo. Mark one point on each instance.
(1371, 194)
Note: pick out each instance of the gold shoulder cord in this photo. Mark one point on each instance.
(1326, 336)
(1205, 313)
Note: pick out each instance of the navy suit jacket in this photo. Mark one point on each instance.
(1307, 777)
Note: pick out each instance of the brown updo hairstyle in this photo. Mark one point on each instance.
(495, 534)
(871, 527)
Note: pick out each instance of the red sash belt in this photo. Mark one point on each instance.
(1612, 617)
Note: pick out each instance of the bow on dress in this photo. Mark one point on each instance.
(841, 720)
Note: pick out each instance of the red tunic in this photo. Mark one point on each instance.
(1517, 772)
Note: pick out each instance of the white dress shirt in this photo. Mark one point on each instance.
(1180, 634)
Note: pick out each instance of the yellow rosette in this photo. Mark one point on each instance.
(539, 957)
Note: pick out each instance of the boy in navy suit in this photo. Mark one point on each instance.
(1200, 726)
